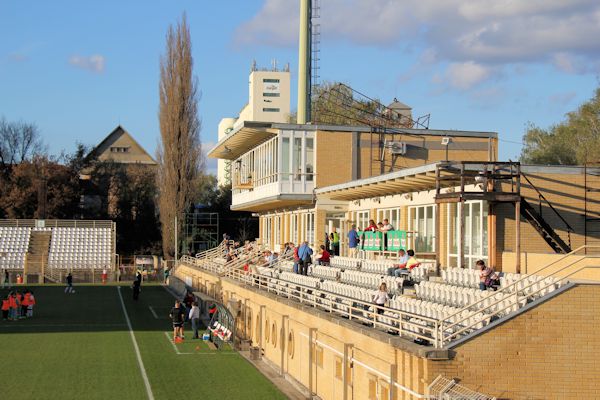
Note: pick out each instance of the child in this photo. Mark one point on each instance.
(31, 304)
(5, 307)
(12, 304)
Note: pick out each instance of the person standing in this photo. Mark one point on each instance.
(335, 242)
(104, 276)
(12, 304)
(167, 271)
(380, 297)
(177, 318)
(31, 304)
(6, 281)
(304, 254)
(136, 289)
(353, 241)
(194, 316)
(69, 288)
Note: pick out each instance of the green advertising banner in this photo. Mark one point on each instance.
(374, 241)
(396, 240)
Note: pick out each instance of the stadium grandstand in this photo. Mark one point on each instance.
(46, 250)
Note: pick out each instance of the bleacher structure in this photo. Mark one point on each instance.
(42, 250)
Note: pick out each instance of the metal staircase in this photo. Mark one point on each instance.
(543, 228)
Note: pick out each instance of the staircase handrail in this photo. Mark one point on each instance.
(541, 196)
(443, 325)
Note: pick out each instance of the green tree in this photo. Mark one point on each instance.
(573, 141)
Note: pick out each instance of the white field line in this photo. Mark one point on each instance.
(137, 349)
(153, 312)
(200, 353)
(61, 326)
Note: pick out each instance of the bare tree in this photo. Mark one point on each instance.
(179, 152)
(19, 141)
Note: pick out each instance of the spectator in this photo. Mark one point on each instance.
(327, 242)
(323, 256)
(335, 242)
(177, 317)
(380, 297)
(296, 260)
(412, 261)
(400, 268)
(305, 258)
(386, 226)
(25, 303)
(485, 275)
(194, 316)
(104, 275)
(353, 241)
(372, 226)
(12, 304)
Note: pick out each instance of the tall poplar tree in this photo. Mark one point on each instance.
(179, 151)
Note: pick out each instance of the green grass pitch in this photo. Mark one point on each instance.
(78, 346)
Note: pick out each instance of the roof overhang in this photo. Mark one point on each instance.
(242, 140)
(404, 181)
(275, 202)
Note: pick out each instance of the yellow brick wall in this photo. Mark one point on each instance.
(333, 158)
(550, 352)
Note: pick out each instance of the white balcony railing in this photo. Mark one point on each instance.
(247, 191)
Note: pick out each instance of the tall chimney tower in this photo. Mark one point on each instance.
(304, 62)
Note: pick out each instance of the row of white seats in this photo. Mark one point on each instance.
(345, 262)
(325, 272)
(369, 280)
(461, 277)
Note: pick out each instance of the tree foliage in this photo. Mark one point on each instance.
(573, 141)
(179, 151)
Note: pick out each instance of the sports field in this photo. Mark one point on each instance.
(80, 346)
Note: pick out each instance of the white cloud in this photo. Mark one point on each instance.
(466, 33)
(466, 75)
(94, 63)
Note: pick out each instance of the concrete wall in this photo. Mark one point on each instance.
(551, 351)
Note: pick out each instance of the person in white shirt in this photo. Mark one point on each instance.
(380, 297)
(194, 316)
(386, 226)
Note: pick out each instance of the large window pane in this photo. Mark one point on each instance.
(285, 157)
(297, 158)
(310, 155)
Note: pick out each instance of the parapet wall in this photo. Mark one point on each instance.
(550, 351)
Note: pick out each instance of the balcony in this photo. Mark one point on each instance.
(274, 191)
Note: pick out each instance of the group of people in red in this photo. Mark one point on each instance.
(18, 305)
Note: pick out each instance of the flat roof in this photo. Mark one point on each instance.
(252, 133)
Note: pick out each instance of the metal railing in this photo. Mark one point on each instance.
(57, 223)
(391, 320)
(512, 297)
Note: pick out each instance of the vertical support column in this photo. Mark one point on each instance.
(491, 244)
(284, 319)
(461, 235)
(438, 237)
(518, 236)
(345, 365)
(311, 338)
(393, 374)
(262, 323)
(304, 62)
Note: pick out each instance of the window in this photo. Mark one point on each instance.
(268, 94)
(422, 228)
(116, 149)
(277, 231)
(308, 228)
(270, 80)
(361, 219)
(475, 235)
(269, 109)
(339, 367)
(372, 387)
(310, 158)
(294, 228)
(274, 334)
(267, 330)
(291, 344)
(318, 355)
(391, 214)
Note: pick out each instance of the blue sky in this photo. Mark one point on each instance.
(78, 69)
